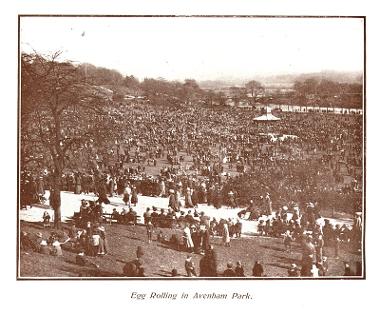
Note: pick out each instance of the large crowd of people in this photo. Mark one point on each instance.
(215, 152)
(222, 157)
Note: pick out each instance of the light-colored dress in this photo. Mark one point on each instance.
(187, 236)
(56, 249)
(226, 234)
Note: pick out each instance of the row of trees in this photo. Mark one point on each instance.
(327, 92)
(161, 91)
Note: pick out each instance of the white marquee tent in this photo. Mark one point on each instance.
(267, 116)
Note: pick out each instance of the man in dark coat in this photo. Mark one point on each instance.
(239, 270)
(207, 264)
(173, 204)
(257, 270)
(229, 272)
(102, 192)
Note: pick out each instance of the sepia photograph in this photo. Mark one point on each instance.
(188, 147)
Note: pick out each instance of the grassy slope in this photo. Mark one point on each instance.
(159, 259)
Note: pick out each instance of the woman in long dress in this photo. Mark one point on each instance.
(226, 235)
(187, 237)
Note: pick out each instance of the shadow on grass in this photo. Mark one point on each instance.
(278, 265)
(274, 248)
(170, 246)
(87, 271)
(132, 238)
(163, 273)
(287, 260)
(37, 225)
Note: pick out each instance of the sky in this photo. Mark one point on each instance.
(200, 48)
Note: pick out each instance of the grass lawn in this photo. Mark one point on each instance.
(159, 259)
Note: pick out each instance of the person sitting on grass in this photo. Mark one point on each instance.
(229, 272)
(239, 270)
(131, 216)
(44, 248)
(82, 260)
(174, 272)
(257, 270)
(189, 267)
(56, 247)
(115, 215)
(293, 271)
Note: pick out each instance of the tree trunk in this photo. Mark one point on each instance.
(55, 202)
(57, 218)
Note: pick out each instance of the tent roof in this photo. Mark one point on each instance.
(267, 117)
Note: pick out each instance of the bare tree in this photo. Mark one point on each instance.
(253, 87)
(60, 112)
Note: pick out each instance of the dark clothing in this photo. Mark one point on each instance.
(207, 265)
(229, 272)
(190, 269)
(257, 270)
(173, 202)
(239, 271)
(293, 272)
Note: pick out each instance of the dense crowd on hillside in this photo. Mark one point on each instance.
(221, 158)
(215, 152)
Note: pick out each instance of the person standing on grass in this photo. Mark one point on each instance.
(127, 195)
(95, 241)
(226, 234)
(288, 241)
(207, 264)
(187, 238)
(336, 242)
(173, 204)
(307, 256)
(147, 216)
(188, 201)
(46, 219)
(103, 244)
(189, 267)
(319, 248)
(149, 230)
(134, 196)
